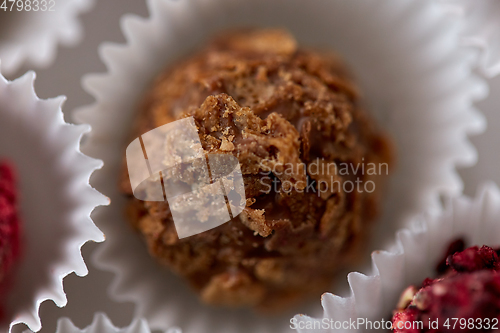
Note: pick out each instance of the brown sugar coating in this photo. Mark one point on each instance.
(293, 119)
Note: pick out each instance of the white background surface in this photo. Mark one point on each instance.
(88, 295)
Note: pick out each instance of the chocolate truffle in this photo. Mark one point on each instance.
(313, 163)
(468, 290)
(10, 227)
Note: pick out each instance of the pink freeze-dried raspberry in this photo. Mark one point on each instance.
(469, 289)
(10, 228)
(474, 259)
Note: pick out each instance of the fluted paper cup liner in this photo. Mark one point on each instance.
(55, 198)
(102, 324)
(412, 258)
(30, 31)
(481, 29)
(415, 76)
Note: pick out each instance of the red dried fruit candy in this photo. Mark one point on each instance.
(474, 259)
(10, 228)
(456, 246)
(469, 289)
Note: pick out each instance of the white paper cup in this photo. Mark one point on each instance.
(32, 37)
(102, 324)
(54, 195)
(482, 30)
(417, 82)
(414, 257)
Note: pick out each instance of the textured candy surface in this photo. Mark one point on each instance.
(469, 290)
(294, 119)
